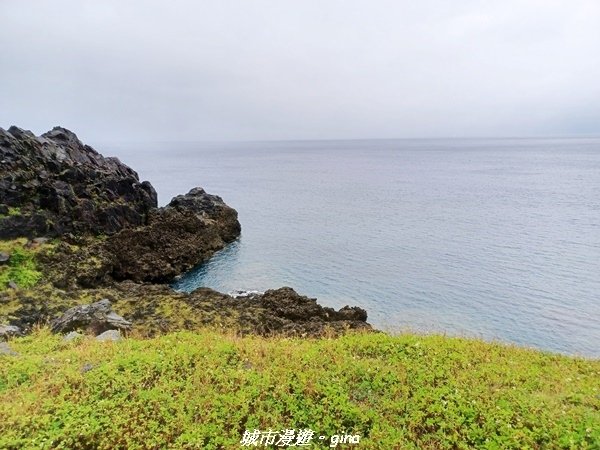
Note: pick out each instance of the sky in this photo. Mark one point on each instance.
(183, 70)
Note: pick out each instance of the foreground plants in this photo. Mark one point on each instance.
(205, 389)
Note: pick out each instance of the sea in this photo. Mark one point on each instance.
(496, 239)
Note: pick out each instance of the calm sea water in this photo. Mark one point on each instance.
(498, 239)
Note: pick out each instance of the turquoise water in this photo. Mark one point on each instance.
(497, 239)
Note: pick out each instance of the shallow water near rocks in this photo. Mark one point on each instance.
(498, 239)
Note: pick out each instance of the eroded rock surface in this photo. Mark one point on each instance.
(156, 308)
(54, 184)
(176, 238)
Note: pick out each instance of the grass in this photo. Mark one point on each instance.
(203, 389)
(22, 267)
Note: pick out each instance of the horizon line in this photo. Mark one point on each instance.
(260, 141)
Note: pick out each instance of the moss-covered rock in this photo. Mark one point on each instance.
(157, 308)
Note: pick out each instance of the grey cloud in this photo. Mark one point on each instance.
(202, 70)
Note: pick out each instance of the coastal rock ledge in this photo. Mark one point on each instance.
(77, 227)
(55, 186)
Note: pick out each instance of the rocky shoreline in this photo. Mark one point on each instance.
(92, 231)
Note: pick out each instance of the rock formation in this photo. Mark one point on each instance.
(53, 184)
(95, 318)
(177, 237)
(114, 246)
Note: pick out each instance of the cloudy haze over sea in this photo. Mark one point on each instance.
(336, 69)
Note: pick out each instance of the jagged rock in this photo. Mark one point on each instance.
(66, 188)
(4, 258)
(56, 185)
(286, 303)
(96, 317)
(291, 313)
(6, 350)
(109, 335)
(352, 313)
(211, 209)
(157, 308)
(186, 232)
(7, 331)
(176, 238)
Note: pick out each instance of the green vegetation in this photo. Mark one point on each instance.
(12, 211)
(21, 268)
(203, 389)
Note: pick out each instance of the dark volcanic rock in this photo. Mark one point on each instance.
(116, 243)
(177, 237)
(97, 318)
(53, 184)
(288, 312)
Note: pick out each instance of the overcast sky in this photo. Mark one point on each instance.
(116, 70)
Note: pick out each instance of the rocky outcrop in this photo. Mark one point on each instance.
(156, 308)
(177, 237)
(284, 311)
(96, 318)
(53, 184)
(117, 249)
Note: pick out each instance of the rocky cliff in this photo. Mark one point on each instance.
(77, 227)
(54, 185)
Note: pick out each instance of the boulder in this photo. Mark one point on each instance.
(86, 367)
(96, 318)
(72, 336)
(109, 335)
(4, 258)
(7, 331)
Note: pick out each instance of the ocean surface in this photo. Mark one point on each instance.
(497, 239)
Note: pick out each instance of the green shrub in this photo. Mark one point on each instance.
(203, 390)
(21, 269)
